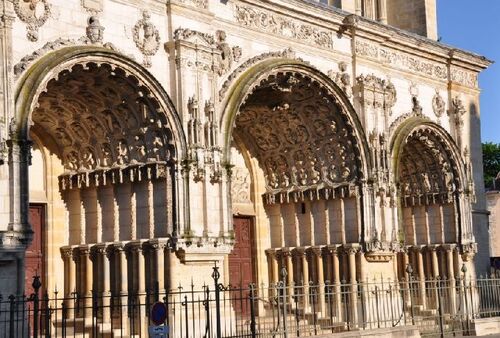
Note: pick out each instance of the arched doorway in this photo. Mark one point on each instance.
(434, 202)
(304, 152)
(111, 140)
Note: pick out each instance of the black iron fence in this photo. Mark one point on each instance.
(436, 307)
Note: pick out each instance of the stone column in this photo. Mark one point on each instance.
(67, 254)
(302, 253)
(435, 263)
(158, 248)
(450, 248)
(382, 11)
(85, 257)
(121, 254)
(353, 296)
(333, 249)
(358, 7)
(105, 256)
(286, 255)
(421, 275)
(318, 255)
(272, 262)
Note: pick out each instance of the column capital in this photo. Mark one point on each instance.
(66, 252)
(316, 251)
(351, 249)
(157, 244)
(84, 250)
(301, 250)
(286, 252)
(332, 249)
(272, 253)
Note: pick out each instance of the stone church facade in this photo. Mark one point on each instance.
(143, 140)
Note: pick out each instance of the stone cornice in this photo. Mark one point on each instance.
(331, 17)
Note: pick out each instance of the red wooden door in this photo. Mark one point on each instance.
(34, 253)
(240, 259)
(241, 265)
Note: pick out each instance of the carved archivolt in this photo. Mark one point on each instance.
(34, 13)
(101, 117)
(427, 173)
(299, 135)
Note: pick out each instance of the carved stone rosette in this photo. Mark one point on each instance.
(146, 38)
(34, 13)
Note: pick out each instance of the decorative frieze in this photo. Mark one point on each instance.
(286, 27)
(415, 64)
(203, 4)
(463, 77)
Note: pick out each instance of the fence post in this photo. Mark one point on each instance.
(12, 299)
(283, 283)
(409, 270)
(252, 309)
(440, 309)
(36, 306)
(216, 276)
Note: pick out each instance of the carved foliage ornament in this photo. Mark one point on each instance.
(284, 26)
(300, 137)
(146, 38)
(34, 13)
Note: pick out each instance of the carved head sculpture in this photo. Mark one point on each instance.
(94, 30)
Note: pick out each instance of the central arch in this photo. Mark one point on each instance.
(305, 151)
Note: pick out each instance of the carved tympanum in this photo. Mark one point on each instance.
(299, 135)
(99, 119)
(427, 173)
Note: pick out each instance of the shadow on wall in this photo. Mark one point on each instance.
(479, 210)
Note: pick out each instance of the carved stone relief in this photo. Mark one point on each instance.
(376, 92)
(146, 38)
(101, 124)
(458, 110)
(438, 104)
(93, 6)
(94, 30)
(225, 55)
(301, 139)
(265, 21)
(342, 78)
(203, 4)
(34, 13)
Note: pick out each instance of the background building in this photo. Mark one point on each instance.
(145, 140)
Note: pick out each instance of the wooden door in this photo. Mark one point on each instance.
(34, 253)
(241, 269)
(240, 259)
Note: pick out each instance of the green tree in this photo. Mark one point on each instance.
(491, 163)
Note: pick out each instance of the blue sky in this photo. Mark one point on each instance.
(474, 25)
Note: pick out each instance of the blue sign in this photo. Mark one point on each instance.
(158, 313)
